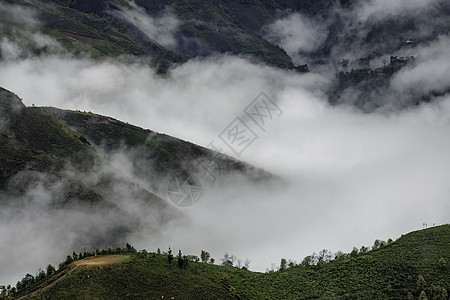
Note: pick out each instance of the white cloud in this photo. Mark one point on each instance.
(429, 72)
(374, 10)
(297, 34)
(160, 29)
(20, 14)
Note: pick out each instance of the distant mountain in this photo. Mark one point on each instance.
(326, 36)
(408, 268)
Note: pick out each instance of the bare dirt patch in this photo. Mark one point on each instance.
(100, 260)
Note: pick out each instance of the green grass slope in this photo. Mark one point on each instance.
(32, 139)
(389, 272)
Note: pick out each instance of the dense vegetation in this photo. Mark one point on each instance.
(412, 267)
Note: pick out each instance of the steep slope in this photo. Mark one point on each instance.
(114, 175)
(32, 139)
(390, 272)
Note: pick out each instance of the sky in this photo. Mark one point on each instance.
(347, 177)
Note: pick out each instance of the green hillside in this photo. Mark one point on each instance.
(414, 264)
(48, 139)
(58, 150)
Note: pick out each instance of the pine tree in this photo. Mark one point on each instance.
(180, 259)
(169, 256)
(423, 296)
(283, 265)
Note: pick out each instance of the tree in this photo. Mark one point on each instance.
(291, 263)
(410, 296)
(339, 255)
(158, 251)
(324, 256)
(185, 261)
(420, 282)
(212, 260)
(180, 259)
(239, 263)
(423, 296)
(376, 244)
(40, 275)
(228, 260)
(247, 263)
(169, 255)
(204, 256)
(130, 248)
(307, 261)
(283, 265)
(69, 259)
(442, 263)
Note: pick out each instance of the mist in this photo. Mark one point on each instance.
(297, 34)
(161, 28)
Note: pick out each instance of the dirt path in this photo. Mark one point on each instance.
(100, 260)
(86, 262)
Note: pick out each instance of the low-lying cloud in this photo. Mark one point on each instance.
(376, 10)
(430, 71)
(347, 177)
(161, 28)
(297, 34)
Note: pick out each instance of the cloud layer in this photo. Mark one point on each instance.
(347, 177)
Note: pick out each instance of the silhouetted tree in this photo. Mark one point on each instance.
(228, 260)
(169, 255)
(205, 256)
(376, 244)
(180, 259)
(283, 265)
(363, 250)
(307, 261)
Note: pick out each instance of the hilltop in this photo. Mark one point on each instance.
(401, 269)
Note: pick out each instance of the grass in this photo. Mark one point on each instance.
(389, 272)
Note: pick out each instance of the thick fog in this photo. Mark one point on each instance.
(346, 177)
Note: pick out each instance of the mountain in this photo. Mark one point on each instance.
(72, 156)
(347, 37)
(401, 269)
